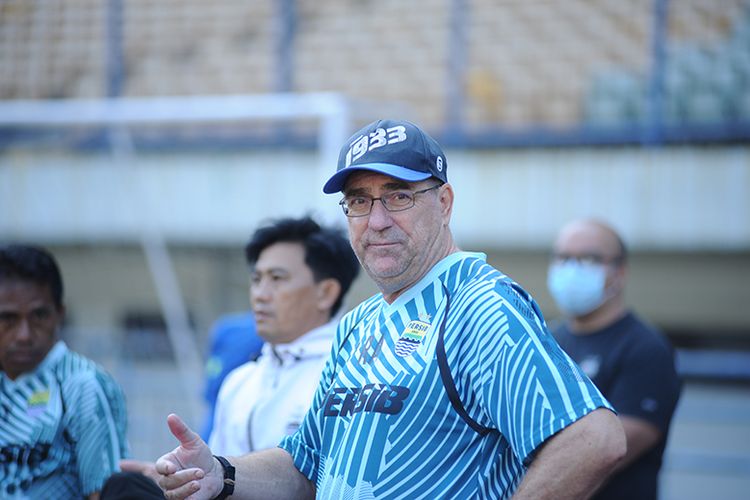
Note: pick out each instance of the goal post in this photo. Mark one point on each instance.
(333, 114)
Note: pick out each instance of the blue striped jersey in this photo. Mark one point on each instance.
(63, 428)
(382, 425)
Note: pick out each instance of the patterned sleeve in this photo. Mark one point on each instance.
(97, 423)
(305, 444)
(521, 381)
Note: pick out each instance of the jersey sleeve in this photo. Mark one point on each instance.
(305, 444)
(97, 423)
(647, 386)
(523, 384)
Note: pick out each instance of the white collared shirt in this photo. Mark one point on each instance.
(262, 401)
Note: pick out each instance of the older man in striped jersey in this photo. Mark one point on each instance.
(447, 384)
(62, 418)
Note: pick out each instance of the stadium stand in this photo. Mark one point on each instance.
(525, 67)
(556, 64)
(705, 72)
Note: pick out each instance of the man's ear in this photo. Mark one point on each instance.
(328, 291)
(61, 312)
(446, 195)
(618, 278)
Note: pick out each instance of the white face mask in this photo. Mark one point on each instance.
(577, 288)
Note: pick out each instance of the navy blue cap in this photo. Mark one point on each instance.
(395, 148)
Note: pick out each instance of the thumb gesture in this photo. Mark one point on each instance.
(189, 469)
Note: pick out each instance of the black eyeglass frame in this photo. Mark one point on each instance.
(589, 259)
(345, 209)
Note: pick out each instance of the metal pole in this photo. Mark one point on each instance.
(653, 128)
(184, 346)
(114, 56)
(456, 77)
(286, 23)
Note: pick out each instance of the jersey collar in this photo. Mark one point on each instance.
(52, 357)
(315, 343)
(432, 275)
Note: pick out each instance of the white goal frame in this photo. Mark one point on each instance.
(333, 113)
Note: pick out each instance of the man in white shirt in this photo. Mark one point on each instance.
(300, 274)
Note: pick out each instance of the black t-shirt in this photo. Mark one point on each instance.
(633, 365)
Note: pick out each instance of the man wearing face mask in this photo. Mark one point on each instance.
(628, 360)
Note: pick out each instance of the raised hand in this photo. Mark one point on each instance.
(190, 470)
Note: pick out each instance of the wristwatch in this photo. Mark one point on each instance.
(228, 478)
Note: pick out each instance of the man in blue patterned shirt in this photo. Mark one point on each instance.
(447, 384)
(63, 419)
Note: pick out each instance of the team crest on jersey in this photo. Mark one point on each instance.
(37, 403)
(412, 336)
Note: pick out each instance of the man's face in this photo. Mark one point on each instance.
(587, 271)
(398, 248)
(589, 244)
(284, 297)
(29, 320)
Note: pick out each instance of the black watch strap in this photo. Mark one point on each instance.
(228, 478)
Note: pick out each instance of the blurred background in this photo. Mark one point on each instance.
(142, 141)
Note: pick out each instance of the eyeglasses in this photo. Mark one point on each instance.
(587, 259)
(393, 201)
